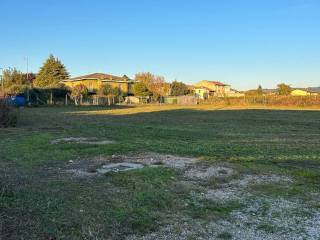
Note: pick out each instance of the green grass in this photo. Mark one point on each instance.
(36, 203)
(225, 236)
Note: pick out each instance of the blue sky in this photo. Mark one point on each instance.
(241, 42)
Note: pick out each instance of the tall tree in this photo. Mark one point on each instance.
(145, 77)
(155, 84)
(13, 77)
(51, 73)
(284, 89)
(179, 89)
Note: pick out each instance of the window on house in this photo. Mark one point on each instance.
(90, 87)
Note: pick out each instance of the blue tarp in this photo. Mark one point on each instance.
(18, 101)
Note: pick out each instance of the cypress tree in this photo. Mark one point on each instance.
(260, 90)
(51, 73)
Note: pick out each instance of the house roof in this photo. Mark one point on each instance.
(218, 83)
(235, 90)
(99, 76)
(213, 83)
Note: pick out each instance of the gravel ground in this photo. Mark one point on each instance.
(208, 172)
(236, 189)
(262, 217)
(92, 167)
(282, 220)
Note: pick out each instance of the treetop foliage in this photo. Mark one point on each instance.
(17, 89)
(155, 84)
(140, 89)
(179, 89)
(284, 89)
(51, 73)
(13, 77)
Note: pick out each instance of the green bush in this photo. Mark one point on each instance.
(40, 96)
(17, 89)
(8, 117)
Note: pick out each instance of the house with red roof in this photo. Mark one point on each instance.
(205, 88)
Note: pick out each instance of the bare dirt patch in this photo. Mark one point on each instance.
(82, 168)
(263, 218)
(154, 159)
(119, 167)
(82, 140)
(117, 163)
(260, 179)
(223, 194)
(205, 173)
(272, 218)
(260, 217)
(236, 189)
(81, 173)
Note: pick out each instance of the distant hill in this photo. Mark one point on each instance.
(313, 89)
(308, 89)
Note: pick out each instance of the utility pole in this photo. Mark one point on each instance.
(27, 60)
(28, 95)
(2, 80)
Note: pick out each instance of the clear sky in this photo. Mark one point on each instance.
(241, 42)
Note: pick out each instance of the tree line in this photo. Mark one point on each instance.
(148, 84)
(49, 76)
(282, 90)
(54, 71)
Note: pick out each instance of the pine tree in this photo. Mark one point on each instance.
(260, 90)
(51, 73)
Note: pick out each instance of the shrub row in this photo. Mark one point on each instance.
(299, 101)
(39, 96)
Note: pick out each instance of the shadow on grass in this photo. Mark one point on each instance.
(237, 135)
(38, 203)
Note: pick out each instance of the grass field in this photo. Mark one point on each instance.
(263, 181)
